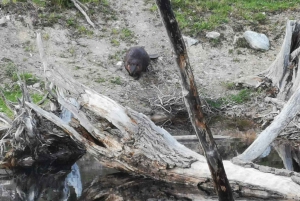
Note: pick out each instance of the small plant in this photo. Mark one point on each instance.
(72, 51)
(242, 96)
(153, 8)
(46, 36)
(28, 46)
(215, 42)
(71, 22)
(229, 85)
(217, 104)
(10, 69)
(126, 34)
(84, 31)
(114, 31)
(100, 80)
(36, 97)
(260, 17)
(116, 80)
(53, 18)
(114, 42)
(29, 78)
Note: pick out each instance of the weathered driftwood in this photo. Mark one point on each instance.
(284, 75)
(284, 70)
(193, 104)
(129, 141)
(266, 137)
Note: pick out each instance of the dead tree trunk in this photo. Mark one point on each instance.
(193, 104)
(284, 72)
(285, 76)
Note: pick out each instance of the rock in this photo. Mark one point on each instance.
(257, 41)
(119, 63)
(213, 35)
(190, 41)
(3, 20)
(36, 85)
(249, 81)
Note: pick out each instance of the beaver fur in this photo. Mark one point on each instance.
(136, 61)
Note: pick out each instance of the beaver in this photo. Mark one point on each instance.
(136, 61)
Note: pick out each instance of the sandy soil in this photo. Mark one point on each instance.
(94, 61)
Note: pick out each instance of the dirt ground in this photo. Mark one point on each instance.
(95, 60)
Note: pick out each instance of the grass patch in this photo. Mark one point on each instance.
(28, 77)
(84, 31)
(243, 96)
(100, 80)
(126, 34)
(10, 69)
(153, 8)
(116, 80)
(114, 42)
(195, 16)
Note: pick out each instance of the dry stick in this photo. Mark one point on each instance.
(41, 50)
(83, 12)
(82, 5)
(193, 103)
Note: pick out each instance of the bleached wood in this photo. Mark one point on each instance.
(150, 146)
(84, 13)
(265, 138)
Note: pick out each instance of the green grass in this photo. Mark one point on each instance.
(28, 77)
(100, 80)
(114, 42)
(194, 16)
(242, 96)
(116, 80)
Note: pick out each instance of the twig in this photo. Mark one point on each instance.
(5, 118)
(41, 50)
(84, 13)
(275, 100)
(85, 8)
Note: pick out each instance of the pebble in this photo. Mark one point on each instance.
(213, 35)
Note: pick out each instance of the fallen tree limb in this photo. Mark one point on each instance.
(83, 12)
(265, 138)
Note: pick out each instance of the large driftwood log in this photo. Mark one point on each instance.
(127, 140)
(193, 104)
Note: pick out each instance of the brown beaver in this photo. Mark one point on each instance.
(136, 61)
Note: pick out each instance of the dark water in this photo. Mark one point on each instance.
(88, 180)
(68, 184)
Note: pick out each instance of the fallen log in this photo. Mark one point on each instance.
(129, 141)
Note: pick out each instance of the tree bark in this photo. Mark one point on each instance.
(193, 104)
